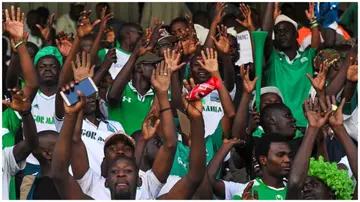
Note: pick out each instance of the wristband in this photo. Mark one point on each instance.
(314, 25)
(18, 44)
(164, 110)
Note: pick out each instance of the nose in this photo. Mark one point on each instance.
(287, 159)
(120, 152)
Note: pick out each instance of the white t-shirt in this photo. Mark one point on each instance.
(93, 185)
(170, 182)
(9, 169)
(213, 111)
(121, 60)
(43, 110)
(93, 138)
(232, 188)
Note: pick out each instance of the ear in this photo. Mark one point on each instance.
(138, 68)
(262, 160)
(106, 183)
(47, 155)
(139, 182)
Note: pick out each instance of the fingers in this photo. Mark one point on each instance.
(310, 77)
(306, 105)
(192, 83)
(83, 59)
(153, 76)
(51, 19)
(78, 64)
(95, 23)
(81, 96)
(88, 61)
(18, 14)
(186, 85)
(7, 16)
(162, 68)
(256, 195)
(342, 103)
(158, 69)
(39, 27)
(157, 123)
(73, 66)
(184, 97)
(328, 102)
(13, 13)
(6, 103)
(27, 34)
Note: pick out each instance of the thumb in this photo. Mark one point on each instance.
(92, 70)
(157, 123)
(39, 27)
(6, 103)
(81, 97)
(255, 79)
(57, 42)
(213, 38)
(310, 77)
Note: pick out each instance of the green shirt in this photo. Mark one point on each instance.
(10, 125)
(102, 52)
(351, 17)
(259, 133)
(265, 192)
(132, 110)
(181, 162)
(290, 78)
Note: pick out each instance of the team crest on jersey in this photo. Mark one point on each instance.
(304, 59)
(214, 98)
(279, 197)
(36, 106)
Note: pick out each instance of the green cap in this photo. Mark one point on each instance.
(148, 58)
(49, 51)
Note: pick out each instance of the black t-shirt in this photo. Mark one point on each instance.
(45, 189)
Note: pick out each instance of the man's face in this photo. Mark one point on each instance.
(48, 70)
(146, 70)
(122, 180)
(285, 122)
(90, 106)
(278, 161)
(119, 148)
(134, 35)
(152, 147)
(177, 28)
(315, 189)
(199, 74)
(234, 49)
(285, 35)
(269, 98)
(166, 44)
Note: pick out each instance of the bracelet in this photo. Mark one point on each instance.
(164, 109)
(18, 44)
(314, 25)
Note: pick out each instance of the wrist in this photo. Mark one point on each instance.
(216, 74)
(25, 113)
(337, 127)
(162, 93)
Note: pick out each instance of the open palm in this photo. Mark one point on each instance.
(15, 25)
(352, 72)
(193, 108)
(319, 82)
(172, 60)
(210, 63)
(248, 85)
(336, 119)
(19, 101)
(161, 77)
(147, 130)
(313, 114)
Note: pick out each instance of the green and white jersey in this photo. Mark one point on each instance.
(265, 192)
(133, 109)
(43, 110)
(121, 58)
(260, 131)
(289, 77)
(10, 125)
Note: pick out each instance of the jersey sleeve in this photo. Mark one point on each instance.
(9, 162)
(88, 181)
(232, 188)
(102, 54)
(58, 123)
(151, 184)
(11, 123)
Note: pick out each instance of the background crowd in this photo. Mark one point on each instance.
(144, 136)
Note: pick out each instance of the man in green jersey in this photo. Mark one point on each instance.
(274, 155)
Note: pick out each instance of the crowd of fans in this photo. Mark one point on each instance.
(144, 136)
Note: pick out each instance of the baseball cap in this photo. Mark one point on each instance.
(148, 58)
(119, 136)
(267, 89)
(165, 35)
(284, 18)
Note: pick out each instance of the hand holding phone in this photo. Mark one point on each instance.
(86, 86)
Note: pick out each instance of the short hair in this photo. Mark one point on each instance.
(43, 11)
(269, 108)
(123, 157)
(103, 4)
(201, 18)
(178, 20)
(125, 28)
(136, 135)
(229, 20)
(263, 145)
(31, 46)
(43, 134)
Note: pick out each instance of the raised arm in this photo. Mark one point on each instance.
(172, 59)
(268, 25)
(96, 44)
(315, 32)
(22, 104)
(318, 83)
(46, 31)
(187, 186)
(66, 74)
(66, 185)
(240, 122)
(215, 164)
(336, 123)
(247, 21)
(110, 58)
(298, 174)
(160, 80)
(219, 14)
(15, 27)
(351, 79)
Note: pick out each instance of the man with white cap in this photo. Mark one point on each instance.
(287, 65)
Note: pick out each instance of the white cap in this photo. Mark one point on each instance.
(232, 31)
(284, 18)
(267, 89)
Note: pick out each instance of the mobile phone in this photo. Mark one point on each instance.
(86, 86)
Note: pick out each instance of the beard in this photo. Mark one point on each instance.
(124, 195)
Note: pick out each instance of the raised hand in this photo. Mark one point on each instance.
(192, 108)
(210, 63)
(110, 58)
(109, 35)
(233, 141)
(45, 31)
(172, 59)
(148, 130)
(15, 25)
(85, 27)
(248, 85)
(246, 13)
(104, 18)
(336, 118)
(313, 113)
(12, 42)
(19, 101)
(75, 109)
(83, 67)
(153, 35)
(352, 72)
(188, 38)
(219, 14)
(319, 82)
(254, 121)
(161, 77)
(223, 44)
(277, 10)
(247, 192)
(63, 43)
(310, 13)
